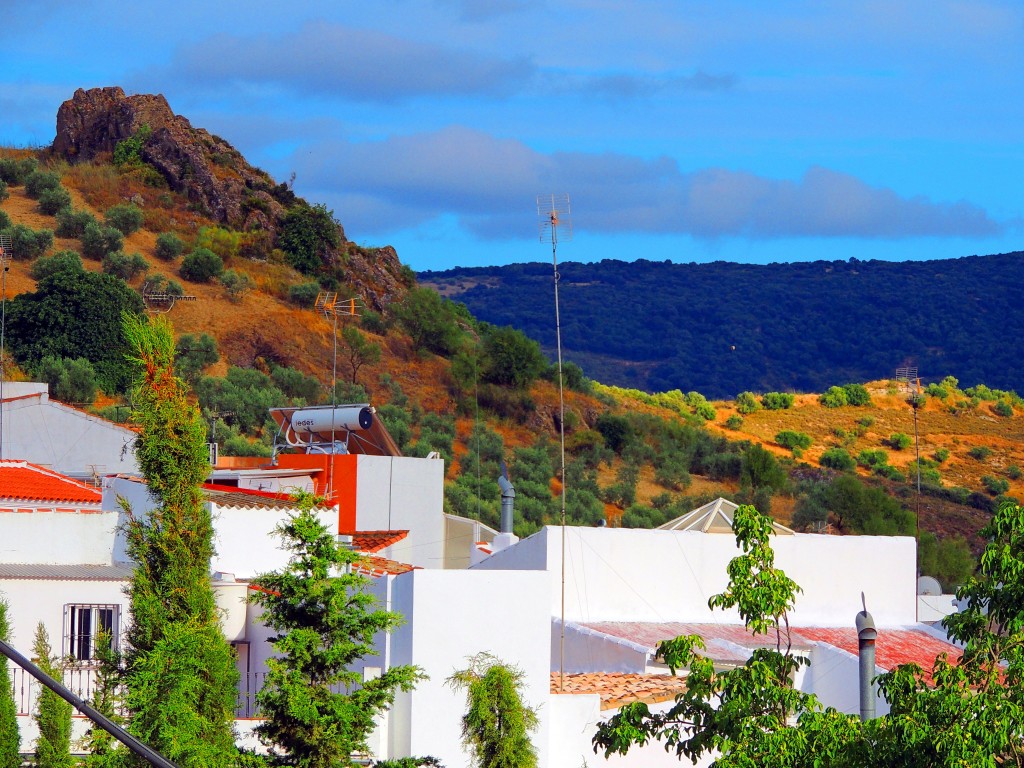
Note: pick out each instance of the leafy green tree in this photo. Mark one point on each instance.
(10, 737)
(760, 469)
(899, 441)
(169, 246)
(746, 402)
(120, 264)
(735, 421)
(201, 266)
(71, 381)
(39, 181)
(497, 725)
(245, 392)
(324, 624)
(45, 266)
(834, 397)
(194, 354)
(430, 321)
(296, 385)
(71, 223)
(98, 240)
(510, 358)
(4, 193)
(857, 394)
(75, 314)
(28, 244)
(308, 236)
(777, 401)
(236, 283)
(359, 351)
(223, 242)
(837, 458)
(53, 714)
(180, 675)
(125, 218)
(787, 438)
(52, 201)
(106, 698)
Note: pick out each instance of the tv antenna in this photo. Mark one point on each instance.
(553, 212)
(6, 254)
(159, 302)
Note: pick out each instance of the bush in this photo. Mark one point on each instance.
(169, 246)
(940, 455)
(307, 236)
(777, 401)
(510, 358)
(872, 459)
(899, 441)
(5, 220)
(304, 294)
(4, 193)
(980, 452)
(38, 182)
(124, 266)
(1003, 408)
(787, 438)
(128, 151)
(936, 390)
(838, 458)
(71, 381)
(734, 422)
(857, 394)
(193, 355)
(746, 402)
(45, 266)
(28, 244)
(71, 223)
(53, 200)
(125, 218)
(14, 172)
(237, 284)
(99, 240)
(201, 266)
(835, 397)
(995, 486)
(890, 472)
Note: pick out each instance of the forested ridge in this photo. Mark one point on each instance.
(723, 328)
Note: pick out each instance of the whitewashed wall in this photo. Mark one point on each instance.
(84, 538)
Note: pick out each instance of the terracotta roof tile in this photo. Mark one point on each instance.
(371, 565)
(23, 481)
(374, 541)
(619, 688)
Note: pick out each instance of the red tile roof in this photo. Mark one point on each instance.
(371, 565)
(619, 688)
(892, 647)
(374, 541)
(23, 481)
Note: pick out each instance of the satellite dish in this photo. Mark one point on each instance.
(928, 585)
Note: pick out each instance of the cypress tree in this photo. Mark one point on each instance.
(53, 714)
(180, 676)
(10, 738)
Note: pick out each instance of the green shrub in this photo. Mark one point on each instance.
(866, 421)
(237, 284)
(307, 236)
(45, 266)
(857, 394)
(125, 218)
(201, 266)
(777, 401)
(1014, 472)
(169, 246)
(936, 390)
(941, 454)
(71, 223)
(1003, 408)
(746, 402)
(129, 151)
(28, 244)
(5, 221)
(98, 241)
(70, 381)
(980, 452)
(838, 458)
(734, 422)
(304, 294)
(995, 486)
(872, 459)
(124, 266)
(835, 397)
(38, 182)
(787, 438)
(52, 201)
(4, 193)
(14, 172)
(899, 441)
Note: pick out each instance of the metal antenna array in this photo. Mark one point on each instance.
(554, 213)
(6, 254)
(157, 301)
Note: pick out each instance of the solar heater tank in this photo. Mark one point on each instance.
(345, 417)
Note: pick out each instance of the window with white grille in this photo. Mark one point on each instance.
(84, 625)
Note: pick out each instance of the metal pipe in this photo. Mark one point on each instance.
(145, 752)
(866, 635)
(508, 501)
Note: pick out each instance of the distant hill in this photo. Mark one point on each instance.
(723, 328)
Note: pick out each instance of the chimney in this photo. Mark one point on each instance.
(508, 494)
(866, 635)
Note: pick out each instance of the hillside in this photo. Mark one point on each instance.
(441, 380)
(724, 328)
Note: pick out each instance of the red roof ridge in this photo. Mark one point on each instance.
(248, 491)
(374, 541)
(37, 483)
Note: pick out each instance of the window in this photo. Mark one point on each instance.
(84, 624)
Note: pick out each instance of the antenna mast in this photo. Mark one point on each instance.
(6, 253)
(554, 212)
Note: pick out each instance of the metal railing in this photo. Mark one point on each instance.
(81, 681)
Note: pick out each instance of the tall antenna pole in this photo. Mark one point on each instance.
(327, 304)
(554, 211)
(5, 264)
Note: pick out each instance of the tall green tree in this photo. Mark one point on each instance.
(10, 737)
(359, 350)
(53, 714)
(497, 724)
(180, 675)
(325, 621)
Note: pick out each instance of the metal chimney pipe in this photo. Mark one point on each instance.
(508, 496)
(866, 635)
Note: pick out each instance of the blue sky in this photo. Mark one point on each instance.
(691, 131)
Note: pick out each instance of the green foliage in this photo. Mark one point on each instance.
(357, 350)
(236, 283)
(14, 171)
(497, 725)
(532, 469)
(617, 431)
(787, 438)
(873, 459)
(38, 182)
(735, 421)
(995, 486)
(4, 193)
(761, 470)
(1014, 472)
(52, 201)
(125, 266)
(193, 355)
(941, 454)
(70, 381)
(510, 358)
(53, 714)
(308, 236)
(777, 401)
(323, 625)
(98, 240)
(430, 321)
(1003, 408)
(746, 402)
(125, 218)
(980, 452)
(834, 397)
(859, 508)
(10, 739)
(856, 394)
(106, 698)
(128, 152)
(244, 392)
(899, 441)
(297, 385)
(27, 243)
(838, 458)
(180, 674)
(201, 266)
(72, 223)
(169, 246)
(949, 560)
(304, 294)
(75, 314)
(223, 242)
(700, 405)
(5, 220)
(45, 266)
(936, 390)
